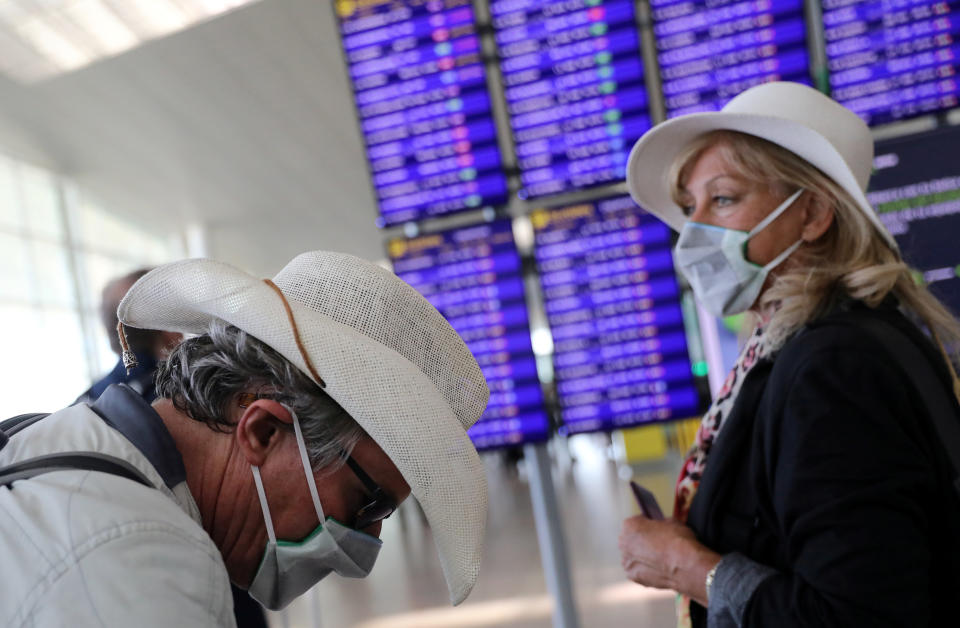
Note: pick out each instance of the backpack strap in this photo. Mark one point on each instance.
(65, 461)
(944, 411)
(11, 426)
(68, 461)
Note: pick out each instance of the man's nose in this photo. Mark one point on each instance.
(374, 529)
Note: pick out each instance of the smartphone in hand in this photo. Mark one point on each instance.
(647, 502)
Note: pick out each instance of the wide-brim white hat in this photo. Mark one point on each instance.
(384, 354)
(794, 116)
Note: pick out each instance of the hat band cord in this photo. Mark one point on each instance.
(129, 358)
(296, 334)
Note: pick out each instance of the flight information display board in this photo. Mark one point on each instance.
(711, 50)
(916, 191)
(574, 85)
(892, 59)
(473, 276)
(613, 304)
(421, 94)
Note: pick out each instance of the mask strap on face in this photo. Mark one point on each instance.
(782, 207)
(267, 519)
(306, 465)
(779, 258)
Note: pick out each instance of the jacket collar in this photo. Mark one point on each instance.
(123, 409)
(728, 448)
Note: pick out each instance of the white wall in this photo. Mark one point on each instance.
(15, 139)
(244, 124)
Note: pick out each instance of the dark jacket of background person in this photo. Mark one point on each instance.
(821, 439)
(140, 378)
(149, 345)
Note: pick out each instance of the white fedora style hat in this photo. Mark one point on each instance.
(378, 348)
(791, 115)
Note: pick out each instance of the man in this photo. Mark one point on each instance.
(149, 345)
(307, 409)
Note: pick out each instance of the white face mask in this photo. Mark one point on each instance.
(713, 259)
(290, 568)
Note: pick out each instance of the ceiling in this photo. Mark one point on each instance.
(243, 124)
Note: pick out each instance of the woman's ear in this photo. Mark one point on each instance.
(818, 216)
(260, 429)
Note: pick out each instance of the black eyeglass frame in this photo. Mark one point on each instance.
(381, 505)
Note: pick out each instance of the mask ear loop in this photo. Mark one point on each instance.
(782, 207)
(775, 213)
(306, 465)
(779, 258)
(267, 519)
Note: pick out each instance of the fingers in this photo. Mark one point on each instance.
(635, 524)
(636, 545)
(635, 573)
(648, 547)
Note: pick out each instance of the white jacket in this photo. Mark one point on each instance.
(82, 548)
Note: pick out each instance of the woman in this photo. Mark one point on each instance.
(818, 492)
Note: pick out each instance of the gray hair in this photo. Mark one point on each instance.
(203, 376)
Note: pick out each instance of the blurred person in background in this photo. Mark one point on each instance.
(306, 408)
(149, 345)
(818, 492)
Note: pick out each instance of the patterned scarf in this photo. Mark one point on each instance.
(713, 421)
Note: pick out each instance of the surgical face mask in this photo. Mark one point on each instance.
(289, 568)
(713, 259)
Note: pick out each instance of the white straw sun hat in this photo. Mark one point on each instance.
(383, 353)
(791, 115)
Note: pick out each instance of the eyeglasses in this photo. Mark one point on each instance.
(381, 506)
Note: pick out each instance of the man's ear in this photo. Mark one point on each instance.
(260, 429)
(817, 218)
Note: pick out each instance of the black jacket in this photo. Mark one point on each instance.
(830, 471)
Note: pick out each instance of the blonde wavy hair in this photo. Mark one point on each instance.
(851, 259)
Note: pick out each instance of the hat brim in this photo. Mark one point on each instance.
(654, 153)
(393, 400)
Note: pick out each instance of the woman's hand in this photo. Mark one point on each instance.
(666, 555)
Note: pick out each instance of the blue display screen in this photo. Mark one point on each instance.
(421, 95)
(613, 304)
(473, 276)
(574, 86)
(892, 59)
(711, 50)
(916, 192)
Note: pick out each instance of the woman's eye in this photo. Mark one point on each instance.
(687, 210)
(722, 201)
